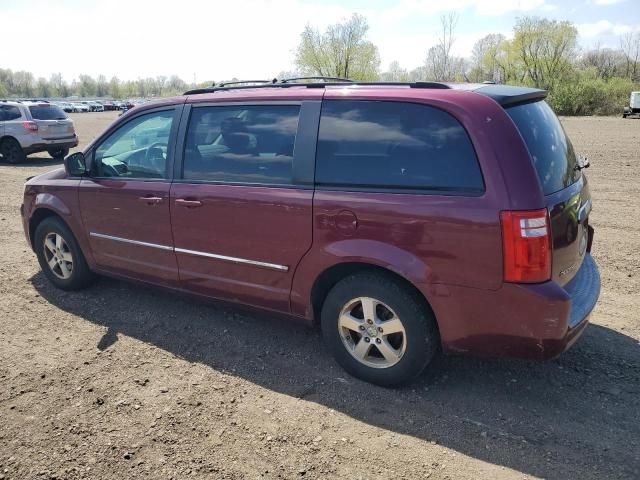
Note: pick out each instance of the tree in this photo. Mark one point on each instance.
(395, 73)
(546, 49)
(114, 87)
(606, 63)
(58, 86)
(441, 65)
(42, 88)
(23, 84)
(630, 46)
(484, 61)
(102, 87)
(87, 86)
(342, 51)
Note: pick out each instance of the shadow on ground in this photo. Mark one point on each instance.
(576, 417)
(33, 162)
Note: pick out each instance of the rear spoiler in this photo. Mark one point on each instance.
(508, 96)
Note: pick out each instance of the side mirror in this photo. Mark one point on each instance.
(75, 165)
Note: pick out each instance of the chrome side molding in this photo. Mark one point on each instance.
(274, 266)
(133, 242)
(245, 261)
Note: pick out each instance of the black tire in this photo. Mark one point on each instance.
(80, 276)
(422, 338)
(12, 151)
(59, 154)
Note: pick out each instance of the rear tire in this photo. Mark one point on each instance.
(12, 151)
(59, 153)
(60, 256)
(392, 357)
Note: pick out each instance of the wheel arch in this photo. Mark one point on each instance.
(8, 137)
(36, 219)
(328, 278)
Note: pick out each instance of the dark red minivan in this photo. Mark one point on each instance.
(404, 218)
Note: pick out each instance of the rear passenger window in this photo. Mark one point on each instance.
(244, 144)
(9, 112)
(394, 145)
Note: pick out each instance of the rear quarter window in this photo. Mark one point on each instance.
(549, 147)
(47, 112)
(394, 145)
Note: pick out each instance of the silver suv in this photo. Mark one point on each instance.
(32, 127)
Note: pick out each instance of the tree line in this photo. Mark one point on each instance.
(23, 84)
(542, 53)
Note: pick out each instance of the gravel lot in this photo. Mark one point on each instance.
(123, 381)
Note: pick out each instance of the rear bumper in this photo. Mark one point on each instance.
(525, 321)
(43, 145)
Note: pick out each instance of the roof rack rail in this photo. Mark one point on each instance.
(243, 82)
(350, 83)
(325, 79)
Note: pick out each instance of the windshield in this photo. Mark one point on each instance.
(47, 112)
(549, 147)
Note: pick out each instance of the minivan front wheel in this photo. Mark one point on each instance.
(59, 255)
(378, 329)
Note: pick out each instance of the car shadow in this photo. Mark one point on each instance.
(33, 162)
(576, 417)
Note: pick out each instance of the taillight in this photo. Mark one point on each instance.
(526, 246)
(30, 126)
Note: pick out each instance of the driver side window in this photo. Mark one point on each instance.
(138, 149)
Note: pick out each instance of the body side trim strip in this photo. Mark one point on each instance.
(275, 266)
(134, 242)
(245, 261)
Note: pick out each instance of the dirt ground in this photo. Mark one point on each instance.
(121, 381)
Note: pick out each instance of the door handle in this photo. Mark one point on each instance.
(151, 199)
(183, 202)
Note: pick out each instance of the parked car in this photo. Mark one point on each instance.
(27, 127)
(108, 105)
(81, 107)
(96, 107)
(404, 219)
(634, 105)
(67, 107)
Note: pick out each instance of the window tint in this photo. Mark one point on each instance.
(9, 112)
(394, 145)
(246, 144)
(549, 147)
(138, 149)
(47, 112)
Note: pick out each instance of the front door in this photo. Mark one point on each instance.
(125, 201)
(241, 215)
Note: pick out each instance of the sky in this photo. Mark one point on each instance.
(205, 40)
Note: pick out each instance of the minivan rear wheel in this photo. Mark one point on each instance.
(378, 329)
(59, 255)
(11, 151)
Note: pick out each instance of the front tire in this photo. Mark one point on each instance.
(379, 330)
(60, 256)
(12, 151)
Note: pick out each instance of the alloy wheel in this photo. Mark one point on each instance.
(58, 255)
(372, 333)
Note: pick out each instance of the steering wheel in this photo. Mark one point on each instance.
(154, 152)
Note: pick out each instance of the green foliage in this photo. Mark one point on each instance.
(342, 51)
(585, 95)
